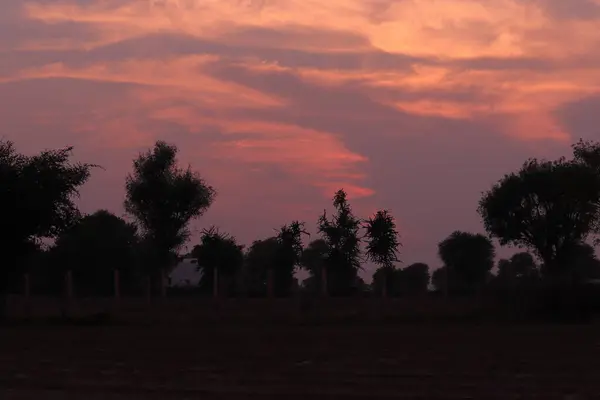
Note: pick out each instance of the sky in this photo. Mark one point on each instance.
(416, 106)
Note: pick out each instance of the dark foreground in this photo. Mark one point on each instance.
(242, 359)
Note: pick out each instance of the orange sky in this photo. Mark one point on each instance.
(412, 105)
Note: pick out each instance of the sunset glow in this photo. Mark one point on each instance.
(412, 105)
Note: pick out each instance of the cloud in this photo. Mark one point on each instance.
(414, 105)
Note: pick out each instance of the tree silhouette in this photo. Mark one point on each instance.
(382, 247)
(519, 267)
(384, 281)
(164, 198)
(520, 270)
(313, 260)
(414, 279)
(439, 279)
(36, 202)
(546, 206)
(218, 252)
(582, 261)
(93, 248)
(261, 256)
(341, 233)
(468, 257)
(289, 253)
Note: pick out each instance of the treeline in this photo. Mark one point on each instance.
(550, 208)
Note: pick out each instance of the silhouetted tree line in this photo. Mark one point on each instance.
(550, 208)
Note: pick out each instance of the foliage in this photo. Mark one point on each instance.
(164, 199)
(439, 278)
(521, 269)
(341, 233)
(408, 281)
(469, 257)
(414, 279)
(217, 251)
(260, 257)
(546, 206)
(36, 202)
(289, 254)
(582, 261)
(93, 248)
(382, 239)
(314, 256)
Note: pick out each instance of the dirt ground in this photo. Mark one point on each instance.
(253, 359)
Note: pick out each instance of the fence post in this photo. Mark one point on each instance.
(27, 293)
(324, 290)
(163, 284)
(148, 289)
(69, 278)
(270, 283)
(67, 294)
(215, 283)
(26, 287)
(117, 284)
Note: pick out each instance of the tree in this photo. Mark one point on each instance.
(341, 233)
(413, 279)
(313, 260)
(382, 247)
(93, 249)
(36, 202)
(439, 279)
(582, 261)
(520, 269)
(468, 257)
(289, 253)
(546, 207)
(261, 256)
(164, 199)
(384, 281)
(218, 252)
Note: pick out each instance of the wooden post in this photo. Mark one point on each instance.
(270, 283)
(69, 285)
(215, 283)
(447, 285)
(67, 294)
(324, 290)
(26, 287)
(163, 284)
(117, 284)
(27, 294)
(148, 289)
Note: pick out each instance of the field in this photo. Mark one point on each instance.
(289, 349)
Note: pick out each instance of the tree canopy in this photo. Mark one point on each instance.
(546, 206)
(469, 257)
(341, 233)
(93, 248)
(220, 252)
(36, 202)
(164, 199)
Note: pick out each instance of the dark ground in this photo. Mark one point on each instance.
(232, 353)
